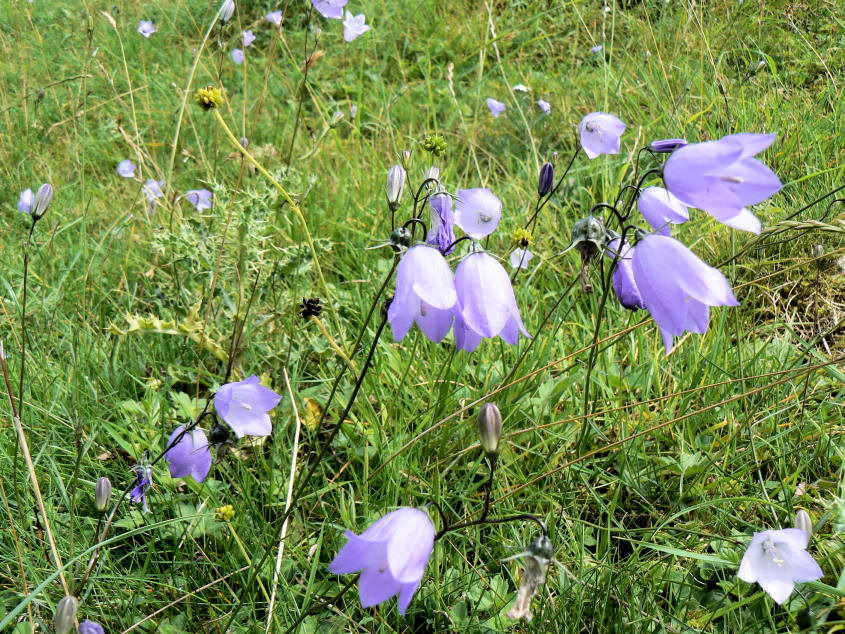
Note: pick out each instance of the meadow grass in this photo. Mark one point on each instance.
(651, 485)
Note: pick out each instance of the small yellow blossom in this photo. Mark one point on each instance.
(522, 238)
(209, 97)
(225, 513)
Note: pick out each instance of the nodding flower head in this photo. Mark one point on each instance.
(546, 179)
(391, 554)
(442, 232)
(143, 480)
(425, 294)
(600, 134)
(190, 456)
(478, 212)
(777, 560)
(722, 178)
(332, 9)
(624, 285)
(243, 406)
(661, 208)
(395, 186)
(666, 145)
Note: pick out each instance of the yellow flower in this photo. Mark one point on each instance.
(225, 513)
(522, 238)
(209, 97)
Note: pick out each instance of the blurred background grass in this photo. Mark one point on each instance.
(634, 523)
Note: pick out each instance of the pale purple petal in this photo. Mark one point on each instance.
(442, 232)
(660, 208)
(244, 406)
(249, 38)
(477, 212)
(496, 107)
(126, 168)
(152, 189)
(667, 145)
(353, 26)
(777, 559)
(376, 586)
(190, 456)
(26, 201)
(275, 17)
(356, 554)
(465, 337)
(237, 56)
(600, 133)
(545, 106)
(199, 198)
(520, 258)
(332, 9)
(146, 28)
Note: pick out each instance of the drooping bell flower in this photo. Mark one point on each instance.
(624, 285)
(661, 208)
(199, 198)
(442, 232)
(249, 38)
(600, 134)
(478, 212)
(777, 560)
(425, 294)
(332, 9)
(126, 168)
(545, 106)
(391, 554)
(237, 56)
(722, 178)
(496, 107)
(664, 146)
(25, 201)
(146, 28)
(676, 287)
(486, 301)
(90, 627)
(190, 456)
(520, 258)
(143, 480)
(244, 405)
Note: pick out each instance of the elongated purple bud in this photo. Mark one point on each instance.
(546, 180)
(66, 614)
(42, 200)
(667, 145)
(395, 185)
(102, 494)
(490, 428)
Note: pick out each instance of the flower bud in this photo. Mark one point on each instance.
(818, 251)
(66, 614)
(432, 174)
(244, 142)
(490, 428)
(406, 157)
(400, 239)
(102, 494)
(227, 9)
(42, 200)
(546, 180)
(395, 185)
(803, 521)
(664, 146)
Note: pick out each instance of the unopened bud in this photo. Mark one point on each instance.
(818, 251)
(42, 200)
(400, 239)
(432, 174)
(664, 146)
(803, 521)
(227, 9)
(546, 180)
(406, 157)
(66, 614)
(244, 142)
(490, 428)
(102, 494)
(395, 185)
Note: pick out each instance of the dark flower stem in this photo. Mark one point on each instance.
(415, 222)
(542, 202)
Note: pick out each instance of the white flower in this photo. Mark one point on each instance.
(520, 258)
(353, 26)
(777, 560)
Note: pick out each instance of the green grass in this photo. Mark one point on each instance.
(684, 455)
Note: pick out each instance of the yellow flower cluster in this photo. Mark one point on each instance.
(521, 238)
(225, 513)
(209, 97)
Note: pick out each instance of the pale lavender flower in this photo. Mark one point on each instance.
(465, 337)
(425, 294)
(721, 178)
(545, 106)
(25, 201)
(478, 212)
(391, 554)
(190, 456)
(199, 198)
(275, 17)
(152, 189)
(777, 560)
(332, 9)
(143, 480)
(442, 232)
(249, 38)
(600, 134)
(353, 26)
(676, 287)
(126, 168)
(146, 28)
(244, 405)
(666, 145)
(486, 301)
(520, 258)
(90, 627)
(42, 200)
(660, 208)
(237, 56)
(624, 285)
(596, 49)
(496, 107)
